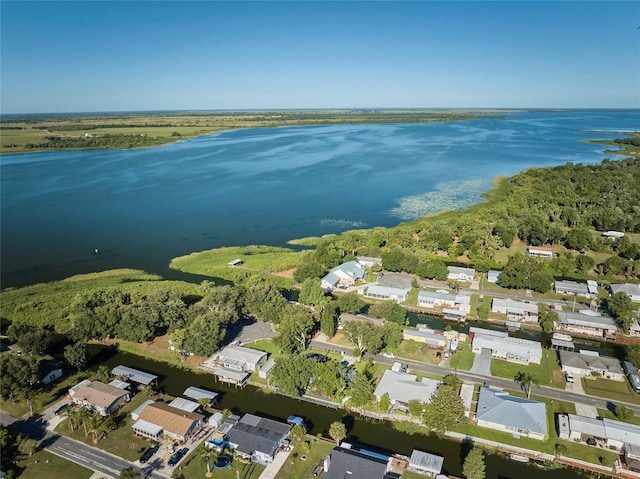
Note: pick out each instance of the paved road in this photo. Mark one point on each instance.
(74, 451)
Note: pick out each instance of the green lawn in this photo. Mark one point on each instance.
(605, 413)
(194, 466)
(548, 372)
(608, 389)
(44, 464)
(296, 468)
(411, 349)
(463, 360)
(266, 345)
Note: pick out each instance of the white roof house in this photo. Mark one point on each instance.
(185, 405)
(387, 292)
(504, 347)
(501, 411)
(463, 274)
(492, 276)
(427, 336)
(198, 393)
(585, 324)
(425, 463)
(369, 261)
(631, 290)
(615, 433)
(239, 358)
(572, 287)
(431, 299)
(266, 368)
(135, 414)
(515, 310)
(134, 375)
(343, 276)
(541, 253)
(403, 387)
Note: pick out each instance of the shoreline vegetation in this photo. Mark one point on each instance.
(51, 132)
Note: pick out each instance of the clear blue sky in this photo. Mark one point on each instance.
(114, 56)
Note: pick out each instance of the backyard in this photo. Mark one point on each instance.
(547, 373)
(195, 466)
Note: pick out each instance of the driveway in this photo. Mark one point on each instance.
(482, 363)
(250, 331)
(395, 280)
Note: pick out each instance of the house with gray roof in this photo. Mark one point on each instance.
(515, 310)
(403, 387)
(134, 375)
(257, 438)
(345, 462)
(427, 336)
(369, 261)
(424, 463)
(631, 290)
(435, 299)
(588, 289)
(606, 432)
(502, 346)
(585, 323)
(199, 393)
(492, 276)
(518, 416)
(343, 276)
(185, 404)
(461, 274)
(585, 364)
(387, 292)
(238, 358)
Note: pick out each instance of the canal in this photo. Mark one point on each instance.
(380, 434)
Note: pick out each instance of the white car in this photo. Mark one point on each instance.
(569, 376)
(389, 355)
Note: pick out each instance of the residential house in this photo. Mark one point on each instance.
(345, 461)
(238, 358)
(185, 405)
(540, 253)
(504, 347)
(100, 397)
(257, 438)
(441, 298)
(588, 289)
(198, 393)
(632, 457)
(160, 419)
(587, 362)
(424, 463)
(607, 433)
(134, 375)
(492, 276)
(461, 274)
(427, 336)
(387, 292)
(631, 290)
(518, 416)
(368, 261)
(613, 235)
(49, 371)
(343, 276)
(404, 387)
(585, 323)
(515, 310)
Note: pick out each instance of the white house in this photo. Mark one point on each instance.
(588, 289)
(427, 336)
(100, 397)
(586, 323)
(584, 364)
(631, 290)
(519, 416)
(158, 419)
(424, 463)
(343, 276)
(239, 358)
(441, 298)
(368, 261)
(515, 310)
(404, 387)
(502, 346)
(614, 434)
(460, 274)
(540, 253)
(492, 276)
(387, 292)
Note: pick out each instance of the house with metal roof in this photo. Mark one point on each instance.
(158, 419)
(266, 368)
(369, 261)
(502, 346)
(515, 310)
(425, 463)
(585, 323)
(404, 387)
(427, 336)
(518, 416)
(461, 274)
(387, 292)
(631, 290)
(199, 393)
(585, 364)
(540, 253)
(434, 299)
(230, 376)
(588, 289)
(257, 438)
(343, 276)
(346, 462)
(238, 358)
(492, 276)
(606, 432)
(100, 398)
(134, 375)
(185, 404)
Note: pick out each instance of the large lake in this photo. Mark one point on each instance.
(141, 208)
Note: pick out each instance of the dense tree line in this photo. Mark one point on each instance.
(103, 141)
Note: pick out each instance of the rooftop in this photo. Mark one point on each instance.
(403, 387)
(99, 394)
(345, 463)
(171, 419)
(134, 374)
(499, 407)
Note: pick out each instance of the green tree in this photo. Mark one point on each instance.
(385, 402)
(547, 319)
(633, 354)
(311, 292)
(291, 374)
(541, 281)
(294, 329)
(474, 466)
(27, 446)
(526, 380)
(19, 374)
(364, 335)
(130, 473)
(329, 318)
(623, 412)
(327, 378)
(393, 260)
(415, 408)
(361, 389)
(32, 339)
(445, 410)
(308, 270)
(298, 432)
(337, 431)
(389, 310)
(622, 310)
(76, 355)
(350, 303)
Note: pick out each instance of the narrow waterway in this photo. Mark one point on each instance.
(379, 434)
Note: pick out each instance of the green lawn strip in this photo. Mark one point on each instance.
(463, 360)
(605, 413)
(340, 340)
(371, 277)
(266, 345)
(296, 468)
(543, 372)
(44, 464)
(120, 441)
(260, 259)
(608, 389)
(422, 374)
(411, 349)
(310, 240)
(48, 304)
(195, 466)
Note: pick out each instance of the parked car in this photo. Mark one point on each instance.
(569, 376)
(389, 355)
(447, 354)
(175, 458)
(62, 409)
(148, 454)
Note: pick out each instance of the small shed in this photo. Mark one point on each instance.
(235, 262)
(266, 369)
(199, 393)
(215, 420)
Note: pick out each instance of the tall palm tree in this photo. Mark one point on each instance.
(205, 457)
(526, 380)
(92, 426)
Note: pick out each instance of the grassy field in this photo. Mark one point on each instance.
(612, 390)
(410, 349)
(463, 360)
(48, 304)
(605, 413)
(44, 464)
(315, 454)
(125, 130)
(547, 373)
(194, 466)
(310, 240)
(256, 259)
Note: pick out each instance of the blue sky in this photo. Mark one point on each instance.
(114, 56)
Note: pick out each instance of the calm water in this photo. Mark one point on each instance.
(142, 207)
(379, 434)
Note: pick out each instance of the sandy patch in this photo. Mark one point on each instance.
(285, 274)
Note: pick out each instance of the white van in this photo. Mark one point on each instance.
(569, 376)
